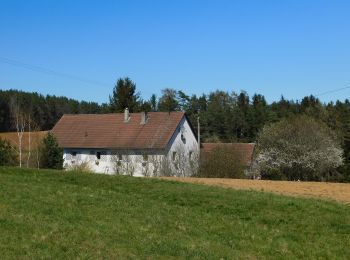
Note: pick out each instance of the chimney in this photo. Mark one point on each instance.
(126, 115)
(143, 118)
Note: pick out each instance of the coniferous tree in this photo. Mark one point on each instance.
(124, 96)
(241, 117)
(183, 101)
(51, 153)
(218, 119)
(145, 106)
(7, 153)
(258, 116)
(154, 103)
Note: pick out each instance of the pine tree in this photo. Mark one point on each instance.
(124, 96)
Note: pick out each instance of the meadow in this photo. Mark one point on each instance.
(56, 214)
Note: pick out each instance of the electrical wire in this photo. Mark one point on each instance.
(49, 71)
(94, 82)
(331, 91)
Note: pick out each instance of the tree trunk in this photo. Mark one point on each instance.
(29, 142)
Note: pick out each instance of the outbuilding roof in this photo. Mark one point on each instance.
(109, 131)
(245, 150)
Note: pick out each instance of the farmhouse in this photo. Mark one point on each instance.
(138, 144)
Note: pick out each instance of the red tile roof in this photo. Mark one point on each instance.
(111, 132)
(244, 149)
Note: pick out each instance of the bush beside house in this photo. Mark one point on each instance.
(51, 153)
(222, 162)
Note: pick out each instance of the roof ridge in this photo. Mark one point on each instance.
(121, 113)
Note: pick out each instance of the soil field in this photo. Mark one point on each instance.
(325, 190)
(36, 138)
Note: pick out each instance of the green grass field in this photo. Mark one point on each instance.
(53, 214)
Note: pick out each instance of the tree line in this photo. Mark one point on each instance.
(44, 111)
(224, 116)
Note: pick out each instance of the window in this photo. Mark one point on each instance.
(145, 157)
(174, 156)
(98, 155)
(76, 156)
(103, 156)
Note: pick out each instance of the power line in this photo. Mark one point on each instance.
(331, 91)
(49, 71)
(90, 81)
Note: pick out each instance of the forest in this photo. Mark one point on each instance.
(224, 116)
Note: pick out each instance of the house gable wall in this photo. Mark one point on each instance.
(182, 148)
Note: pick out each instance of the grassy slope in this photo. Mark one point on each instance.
(65, 215)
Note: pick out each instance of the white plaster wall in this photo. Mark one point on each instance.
(132, 160)
(182, 147)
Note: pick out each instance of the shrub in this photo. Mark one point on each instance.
(272, 174)
(8, 155)
(80, 168)
(222, 162)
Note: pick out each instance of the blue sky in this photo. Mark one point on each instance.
(291, 48)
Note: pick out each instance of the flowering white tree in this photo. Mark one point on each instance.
(298, 148)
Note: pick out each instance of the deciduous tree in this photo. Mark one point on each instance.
(168, 101)
(298, 148)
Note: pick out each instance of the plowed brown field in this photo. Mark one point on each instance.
(325, 190)
(36, 138)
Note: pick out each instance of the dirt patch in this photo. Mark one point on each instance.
(325, 190)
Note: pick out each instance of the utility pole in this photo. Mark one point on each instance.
(199, 136)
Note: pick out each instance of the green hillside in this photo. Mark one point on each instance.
(53, 214)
